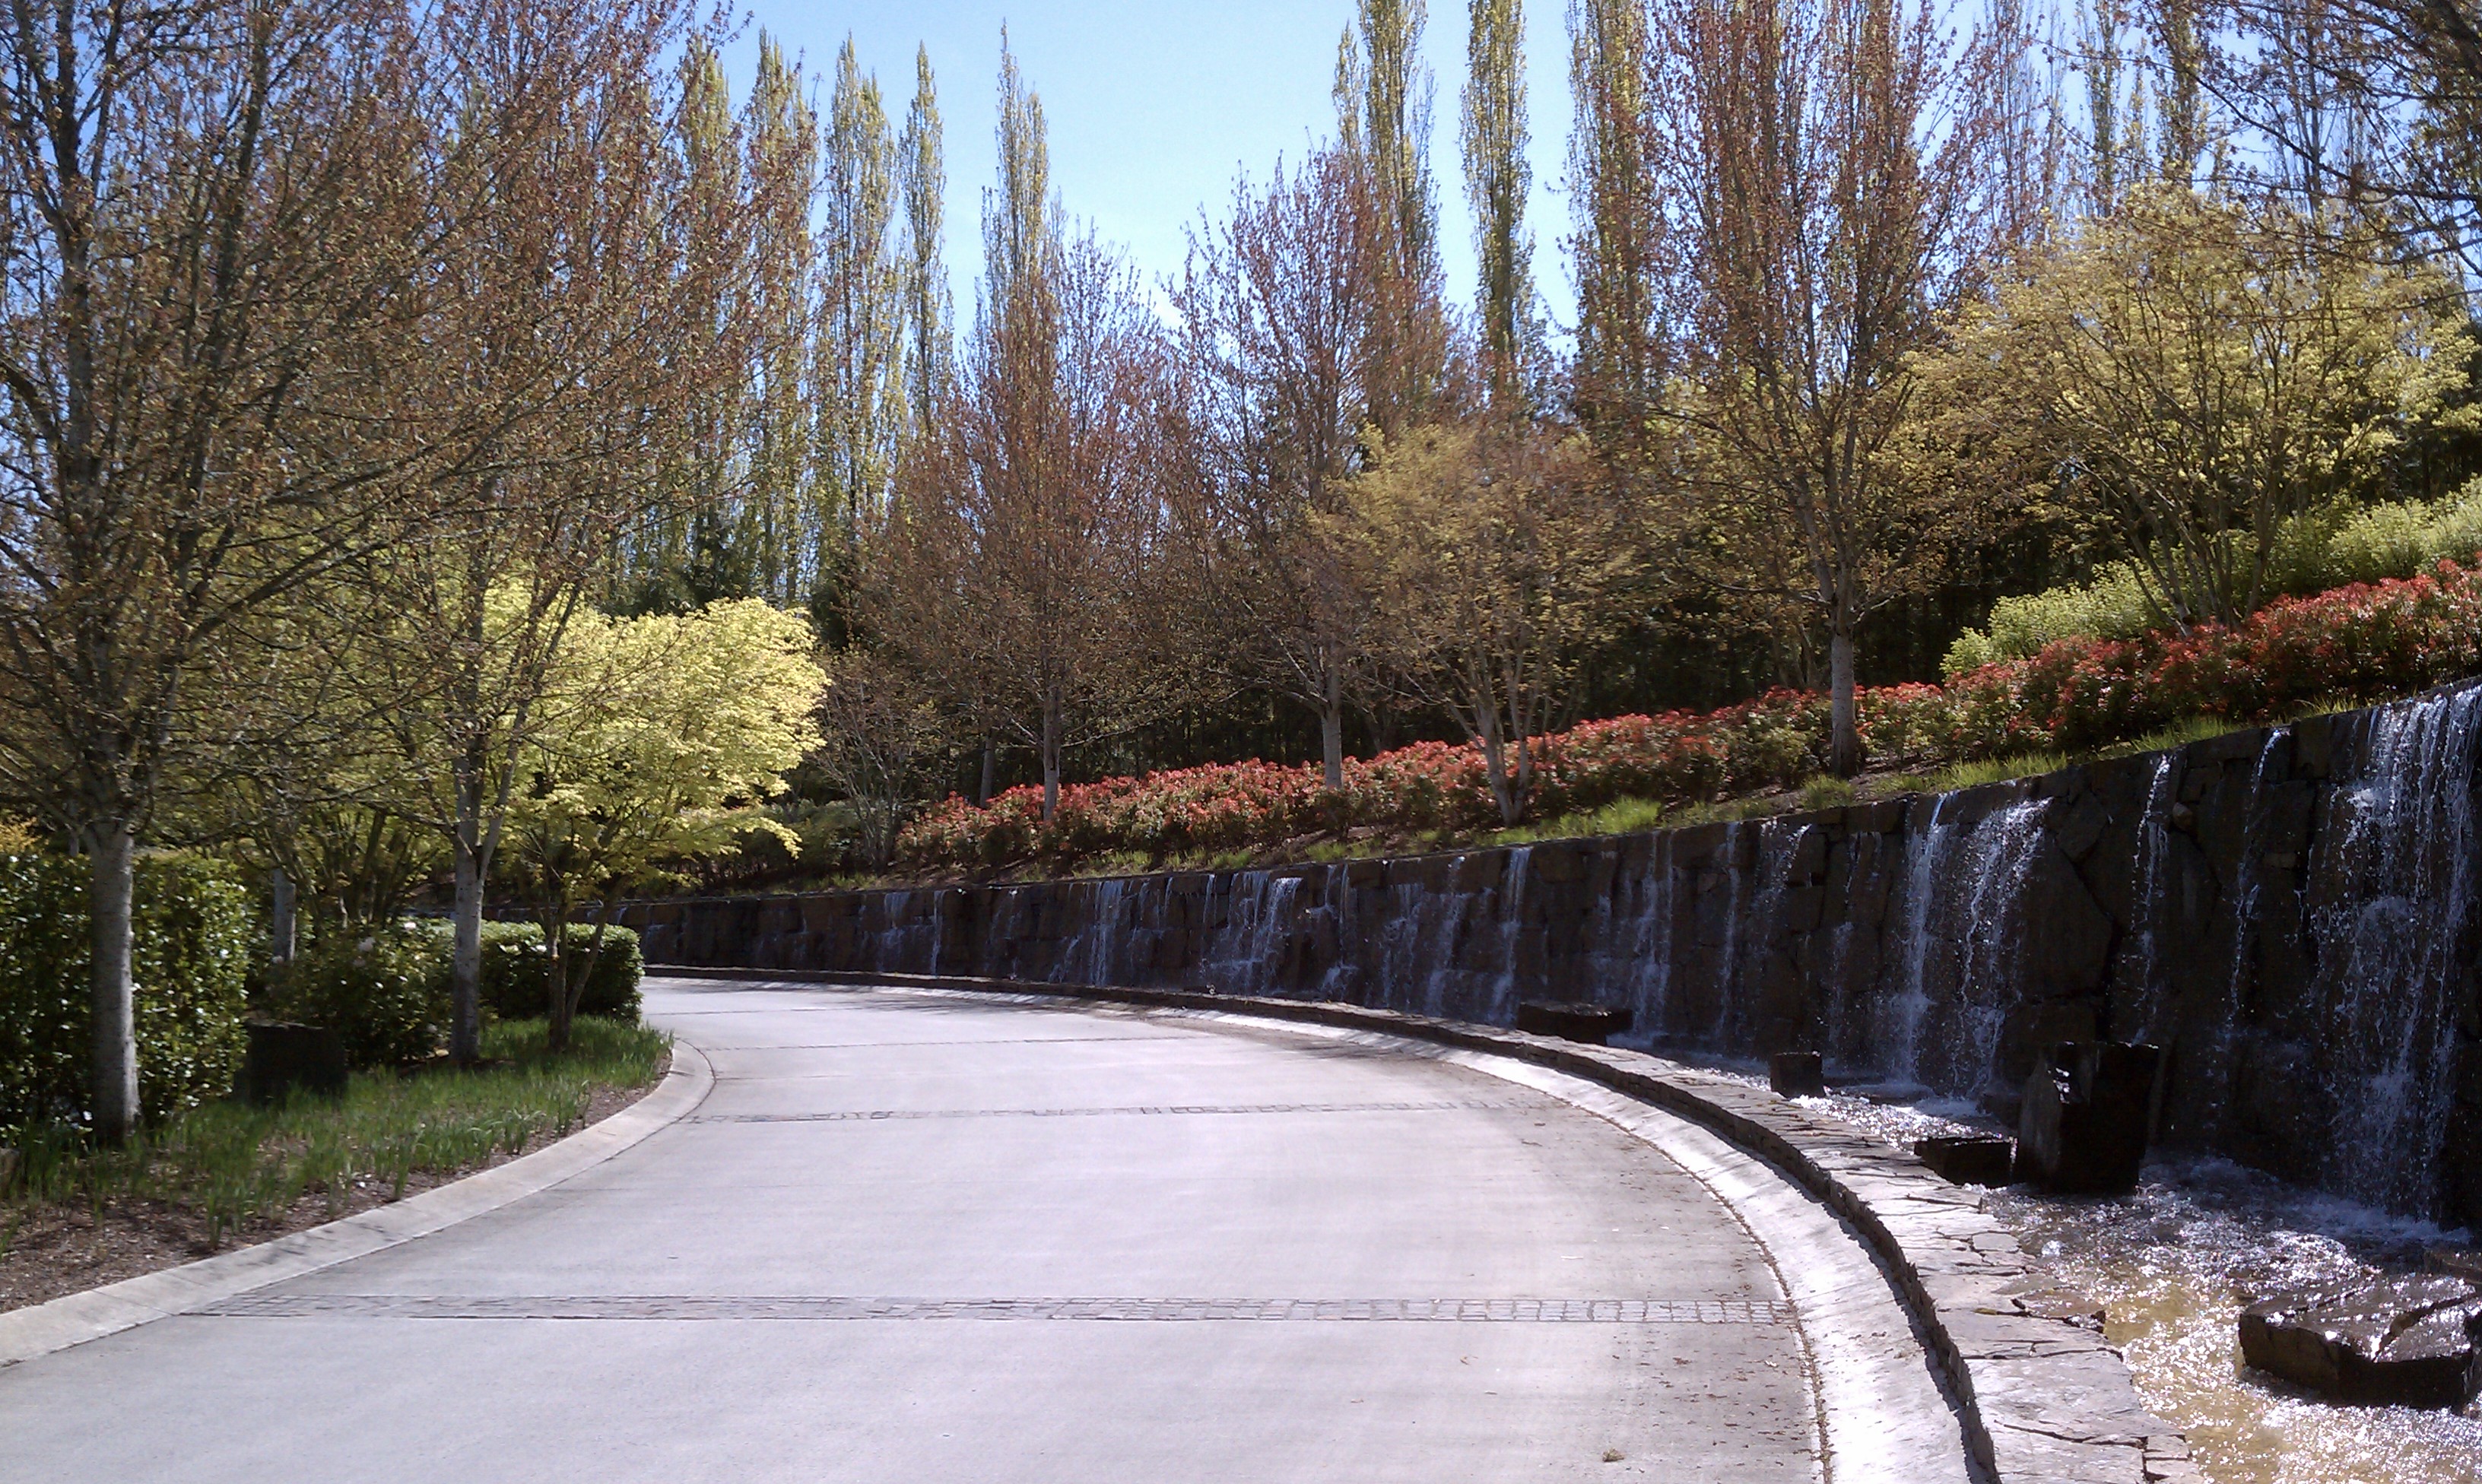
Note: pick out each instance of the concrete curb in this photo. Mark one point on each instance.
(78, 1317)
(2046, 1400)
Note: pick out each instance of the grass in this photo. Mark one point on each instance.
(232, 1164)
(2022, 765)
(1620, 816)
(1826, 791)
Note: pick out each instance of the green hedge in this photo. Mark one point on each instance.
(191, 928)
(385, 990)
(516, 972)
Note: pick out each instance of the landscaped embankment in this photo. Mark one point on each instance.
(2289, 910)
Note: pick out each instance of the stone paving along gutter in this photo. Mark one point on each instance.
(2045, 1400)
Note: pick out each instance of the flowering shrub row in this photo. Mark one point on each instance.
(2360, 642)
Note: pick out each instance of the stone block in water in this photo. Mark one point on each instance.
(1797, 1075)
(1571, 1019)
(2081, 1128)
(2404, 1342)
(279, 1058)
(1968, 1159)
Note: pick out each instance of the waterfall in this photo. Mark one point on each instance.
(1631, 938)
(1964, 889)
(1506, 991)
(2142, 952)
(2392, 912)
(1994, 942)
(1900, 1037)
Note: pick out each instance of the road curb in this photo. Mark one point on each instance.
(76, 1318)
(2045, 1398)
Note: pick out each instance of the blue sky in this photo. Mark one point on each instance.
(1152, 107)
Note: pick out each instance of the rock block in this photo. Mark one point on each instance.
(1571, 1019)
(279, 1058)
(2404, 1341)
(1968, 1159)
(2081, 1128)
(1797, 1075)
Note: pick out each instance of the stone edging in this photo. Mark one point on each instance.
(78, 1317)
(2046, 1400)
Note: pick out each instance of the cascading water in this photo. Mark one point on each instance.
(2390, 916)
(2141, 958)
(1964, 891)
(1899, 1034)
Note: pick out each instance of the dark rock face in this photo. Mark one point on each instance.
(1797, 1075)
(2288, 913)
(2407, 1342)
(1571, 1019)
(1970, 1158)
(2083, 1130)
(280, 1058)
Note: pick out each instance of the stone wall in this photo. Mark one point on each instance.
(2288, 910)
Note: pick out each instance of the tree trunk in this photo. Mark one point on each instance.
(1844, 731)
(1051, 761)
(112, 853)
(1495, 755)
(1332, 733)
(557, 1013)
(465, 957)
(281, 914)
(991, 770)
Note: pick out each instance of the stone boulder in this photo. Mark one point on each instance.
(1571, 1019)
(1797, 1075)
(279, 1058)
(2081, 1128)
(1968, 1159)
(2404, 1341)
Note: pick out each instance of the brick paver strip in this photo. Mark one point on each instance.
(1382, 1310)
(878, 1115)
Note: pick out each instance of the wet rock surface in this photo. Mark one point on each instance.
(2082, 1126)
(1968, 1159)
(2407, 1341)
(1571, 1019)
(1797, 1075)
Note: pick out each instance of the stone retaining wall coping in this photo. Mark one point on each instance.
(2046, 1398)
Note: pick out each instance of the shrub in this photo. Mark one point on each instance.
(2314, 552)
(191, 928)
(516, 983)
(385, 990)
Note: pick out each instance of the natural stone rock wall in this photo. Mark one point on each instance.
(2287, 911)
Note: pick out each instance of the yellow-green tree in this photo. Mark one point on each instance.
(2200, 372)
(672, 732)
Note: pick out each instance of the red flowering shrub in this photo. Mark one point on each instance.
(2362, 643)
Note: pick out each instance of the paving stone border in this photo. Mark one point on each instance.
(2045, 1399)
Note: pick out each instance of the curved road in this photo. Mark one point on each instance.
(912, 1237)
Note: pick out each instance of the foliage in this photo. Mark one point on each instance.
(517, 970)
(191, 934)
(383, 989)
(2366, 641)
(233, 1164)
(2204, 372)
(2314, 551)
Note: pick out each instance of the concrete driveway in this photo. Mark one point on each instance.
(912, 1237)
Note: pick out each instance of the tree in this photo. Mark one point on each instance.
(779, 516)
(1383, 101)
(883, 735)
(1275, 313)
(1019, 557)
(1827, 160)
(924, 179)
(603, 309)
(1496, 557)
(1616, 251)
(1497, 178)
(203, 245)
(672, 732)
(861, 384)
(2202, 372)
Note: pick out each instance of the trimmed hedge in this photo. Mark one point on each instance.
(193, 927)
(516, 971)
(2359, 643)
(384, 991)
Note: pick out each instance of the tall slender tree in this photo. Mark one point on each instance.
(924, 176)
(1497, 178)
(861, 339)
(781, 134)
(1383, 99)
(1617, 244)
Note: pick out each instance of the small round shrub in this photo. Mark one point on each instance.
(383, 989)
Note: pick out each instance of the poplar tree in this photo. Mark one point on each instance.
(1382, 100)
(1497, 180)
(783, 149)
(860, 349)
(925, 181)
(1614, 254)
